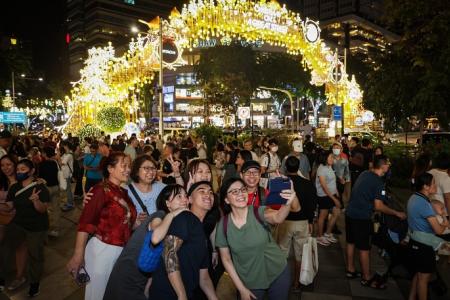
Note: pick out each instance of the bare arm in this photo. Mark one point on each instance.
(77, 259)
(324, 186)
(160, 228)
(171, 245)
(229, 267)
(437, 228)
(381, 207)
(447, 201)
(206, 285)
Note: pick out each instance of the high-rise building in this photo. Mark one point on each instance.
(96, 22)
(352, 24)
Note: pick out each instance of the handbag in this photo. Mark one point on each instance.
(310, 262)
(150, 256)
(61, 178)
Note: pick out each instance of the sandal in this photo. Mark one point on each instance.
(353, 275)
(373, 283)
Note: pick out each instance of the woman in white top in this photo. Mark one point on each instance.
(67, 169)
(328, 198)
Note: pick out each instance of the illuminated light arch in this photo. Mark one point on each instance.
(108, 80)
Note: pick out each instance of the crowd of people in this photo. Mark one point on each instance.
(211, 215)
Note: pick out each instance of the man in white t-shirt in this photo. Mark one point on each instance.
(442, 179)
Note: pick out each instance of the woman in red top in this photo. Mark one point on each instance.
(109, 217)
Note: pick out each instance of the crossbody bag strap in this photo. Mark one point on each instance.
(136, 195)
(25, 188)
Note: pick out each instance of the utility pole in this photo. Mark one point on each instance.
(286, 92)
(13, 90)
(161, 101)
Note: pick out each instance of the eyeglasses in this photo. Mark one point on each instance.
(148, 169)
(236, 192)
(252, 173)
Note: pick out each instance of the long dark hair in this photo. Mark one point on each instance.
(422, 180)
(4, 183)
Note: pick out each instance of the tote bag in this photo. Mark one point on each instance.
(310, 262)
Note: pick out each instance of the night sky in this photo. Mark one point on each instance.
(41, 23)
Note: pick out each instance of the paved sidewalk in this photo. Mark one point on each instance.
(330, 283)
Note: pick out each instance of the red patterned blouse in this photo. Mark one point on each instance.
(109, 215)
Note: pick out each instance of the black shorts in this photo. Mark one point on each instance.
(358, 232)
(422, 258)
(325, 202)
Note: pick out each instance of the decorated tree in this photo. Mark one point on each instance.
(89, 130)
(111, 119)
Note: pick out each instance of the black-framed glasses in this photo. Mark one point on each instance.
(236, 192)
(148, 169)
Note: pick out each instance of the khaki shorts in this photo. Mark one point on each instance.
(293, 232)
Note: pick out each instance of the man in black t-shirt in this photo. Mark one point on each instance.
(298, 225)
(185, 258)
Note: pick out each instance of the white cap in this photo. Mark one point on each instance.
(297, 145)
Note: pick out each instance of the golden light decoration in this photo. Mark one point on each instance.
(110, 81)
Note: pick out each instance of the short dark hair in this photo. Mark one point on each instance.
(292, 164)
(94, 146)
(379, 161)
(171, 146)
(137, 163)
(220, 147)
(246, 155)
(110, 161)
(273, 141)
(442, 161)
(28, 163)
(355, 139)
(165, 194)
(49, 151)
(323, 157)
(365, 142)
(421, 180)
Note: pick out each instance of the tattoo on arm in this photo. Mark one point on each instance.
(171, 246)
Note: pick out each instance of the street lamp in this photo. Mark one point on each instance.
(23, 77)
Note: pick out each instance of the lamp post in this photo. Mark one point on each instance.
(23, 77)
(161, 79)
(290, 100)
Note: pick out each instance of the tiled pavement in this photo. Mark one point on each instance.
(330, 283)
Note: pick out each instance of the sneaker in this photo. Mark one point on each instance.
(34, 290)
(53, 233)
(330, 238)
(67, 207)
(16, 283)
(2, 284)
(323, 241)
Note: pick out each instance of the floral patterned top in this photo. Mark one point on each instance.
(109, 215)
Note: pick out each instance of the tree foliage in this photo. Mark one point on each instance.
(229, 75)
(412, 77)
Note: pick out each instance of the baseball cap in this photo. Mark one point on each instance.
(297, 145)
(194, 186)
(250, 164)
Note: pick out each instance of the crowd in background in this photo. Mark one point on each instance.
(210, 213)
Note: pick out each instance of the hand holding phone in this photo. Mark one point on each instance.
(276, 186)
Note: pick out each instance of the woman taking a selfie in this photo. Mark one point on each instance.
(250, 255)
(109, 216)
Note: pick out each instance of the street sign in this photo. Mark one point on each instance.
(244, 112)
(13, 117)
(337, 113)
(169, 52)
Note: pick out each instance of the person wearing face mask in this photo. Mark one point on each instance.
(27, 231)
(297, 151)
(270, 162)
(110, 218)
(341, 168)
